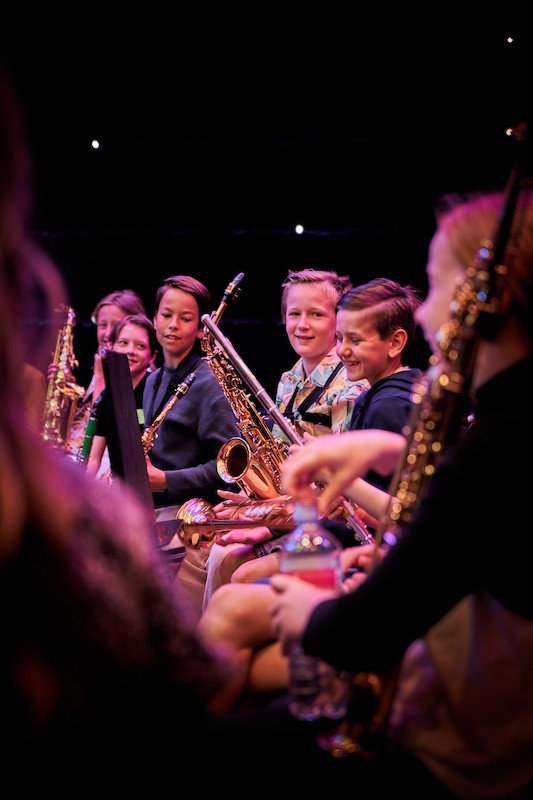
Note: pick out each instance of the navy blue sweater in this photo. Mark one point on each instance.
(190, 437)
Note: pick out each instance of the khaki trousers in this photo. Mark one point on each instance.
(202, 571)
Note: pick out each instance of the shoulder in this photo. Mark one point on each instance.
(138, 391)
(203, 372)
(399, 384)
(152, 377)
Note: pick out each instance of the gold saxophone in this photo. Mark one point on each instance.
(150, 434)
(255, 461)
(441, 401)
(62, 392)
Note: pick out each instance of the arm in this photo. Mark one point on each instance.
(338, 461)
(371, 499)
(183, 459)
(95, 457)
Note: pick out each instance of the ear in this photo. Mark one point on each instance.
(397, 342)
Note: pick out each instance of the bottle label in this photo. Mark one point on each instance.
(324, 578)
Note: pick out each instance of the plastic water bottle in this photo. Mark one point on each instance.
(316, 689)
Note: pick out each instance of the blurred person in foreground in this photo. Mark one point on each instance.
(97, 651)
(442, 608)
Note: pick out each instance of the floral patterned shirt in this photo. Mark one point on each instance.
(332, 411)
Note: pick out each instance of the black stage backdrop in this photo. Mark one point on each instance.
(218, 138)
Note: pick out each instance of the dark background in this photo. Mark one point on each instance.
(219, 136)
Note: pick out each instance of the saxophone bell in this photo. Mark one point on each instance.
(233, 459)
(236, 463)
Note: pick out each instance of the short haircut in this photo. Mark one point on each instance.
(392, 306)
(190, 285)
(334, 285)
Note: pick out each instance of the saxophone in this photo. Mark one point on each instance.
(441, 400)
(150, 433)
(62, 392)
(256, 460)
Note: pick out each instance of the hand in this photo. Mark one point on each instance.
(352, 582)
(293, 606)
(361, 557)
(98, 375)
(275, 512)
(337, 460)
(245, 536)
(230, 505)
(367, 519)
(306, 436)
(156, 477)
(336, 509)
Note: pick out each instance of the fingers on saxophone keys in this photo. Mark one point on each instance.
(255, 512)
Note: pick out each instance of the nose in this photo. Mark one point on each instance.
(342, 346)
(303, 321)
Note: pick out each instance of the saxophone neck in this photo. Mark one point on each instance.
(150, 434)
(231, 292)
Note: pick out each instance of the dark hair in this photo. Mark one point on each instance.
(142, 321)
(335, 285)
(126, 299)
(190, 285)
(392, 306)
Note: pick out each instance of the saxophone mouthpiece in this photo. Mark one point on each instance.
(231, 288)
(189, 379)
